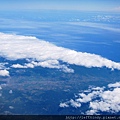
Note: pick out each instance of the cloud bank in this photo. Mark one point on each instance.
(45, 54)
(100, 99)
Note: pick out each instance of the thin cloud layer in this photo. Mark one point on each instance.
(99, 99)
(14, 47)
(96, 25)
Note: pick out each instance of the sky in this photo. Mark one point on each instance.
(83, 5)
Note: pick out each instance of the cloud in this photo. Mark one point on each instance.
(47, 63)
(117, 84)
(96, 25)
(91, 112)
(98, 88)
(75, 103)
(4, 73)
(45, 54)
(99, 99)
(23, 66)
(63, 105)
(72, 103)
(18, 66)
(11, 107)
(86, 98)
(109, 101)
(10, 91)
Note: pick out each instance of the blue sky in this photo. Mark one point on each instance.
(84, 5)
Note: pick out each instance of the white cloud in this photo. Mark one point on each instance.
(66, 69)
(75, 103)
(100, 99)
(102, 106)
(15, 47)
(109, 102)
(47, 63)
(18, 66)
(63, 105)
(117, 84)
(86, 98)
(4, 73)
(91, 112)
(72, 103)
(98, 88)
(10, 91)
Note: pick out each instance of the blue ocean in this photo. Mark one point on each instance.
(59, 62)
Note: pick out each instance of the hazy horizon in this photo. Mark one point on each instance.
(80, 5)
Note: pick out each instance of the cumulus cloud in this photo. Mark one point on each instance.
(117, 84)
(75, 103)
(4, 73)
(86, 98)
(72, 103)
(23, 66)
(47, 63)
(63, 105)
(15, 47)
(109, 101)
(100, 99)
